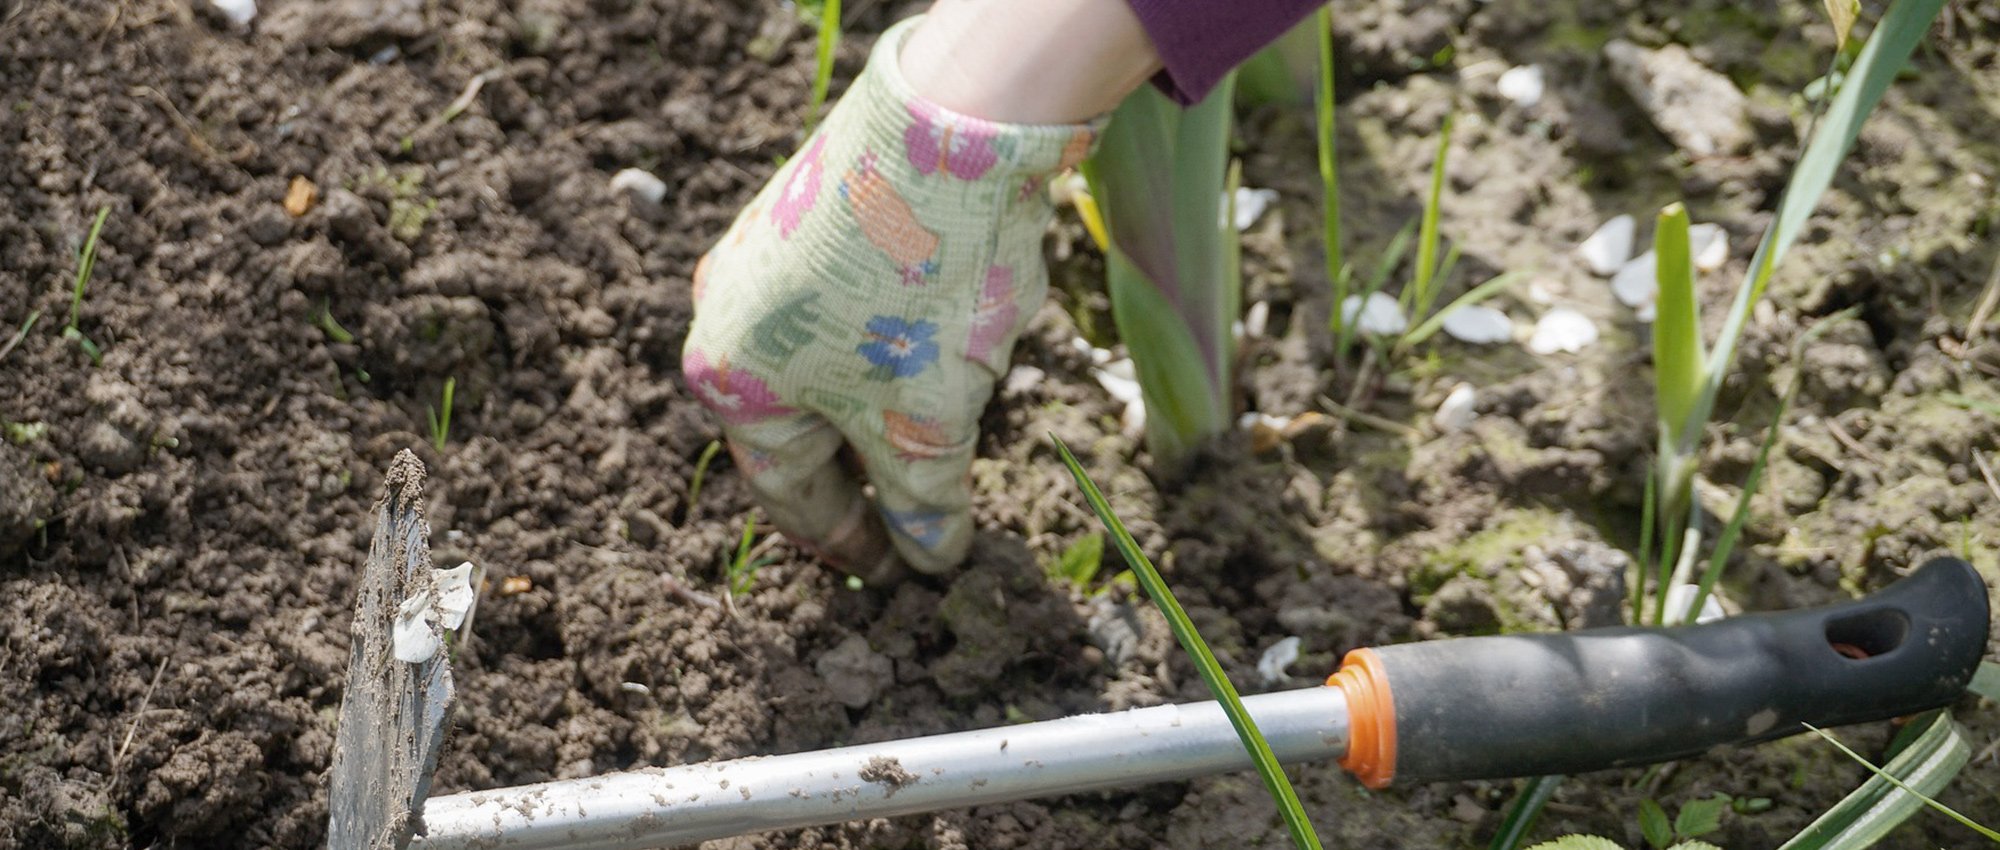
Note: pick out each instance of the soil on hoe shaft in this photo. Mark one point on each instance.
(182, 526)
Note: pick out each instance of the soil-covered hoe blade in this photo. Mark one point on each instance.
(392, 716)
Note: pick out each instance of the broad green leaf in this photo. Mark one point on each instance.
(1677, 348)
(1653, 824)
(1700, 817)
(1197, 649)
(1158, 179)
(1896, 791)
(1578, 842)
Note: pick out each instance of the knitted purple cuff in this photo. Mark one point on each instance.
(1199, 41)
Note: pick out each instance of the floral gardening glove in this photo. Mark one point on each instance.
(869, 297)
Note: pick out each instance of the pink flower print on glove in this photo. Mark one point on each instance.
(995, 315)
(801, 189)
(737, 396)
(940, 142)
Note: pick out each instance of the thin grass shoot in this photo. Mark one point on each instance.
(438, 418)
(1211, 671)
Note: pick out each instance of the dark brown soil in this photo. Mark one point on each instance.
(182, 525)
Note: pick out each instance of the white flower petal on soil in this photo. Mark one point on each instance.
(641, 184)
(1122, 387)
(1637, 283)
(1271, 665)
(1608, 248)
(1379, 314)
(455, 595)
(1522, 85)
(1562, 329)
(1680, 598)
(1709, 245)
(239, 12)
(1257, 319)
(1478, 324)
(415, 635)
(1457, 413)
(1251, 204)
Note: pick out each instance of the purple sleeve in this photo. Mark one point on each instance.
(1201, 40)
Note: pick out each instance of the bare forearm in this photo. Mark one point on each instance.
(1029, 61)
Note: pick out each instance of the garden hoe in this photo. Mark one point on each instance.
(1467, 708)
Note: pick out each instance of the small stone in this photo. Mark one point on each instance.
(1609, 247)
(1458, 409)
(1637, 283)
(1478, 324)
(1379, 314)
(1699, 110)
(1562, 329)
(640, 184)
(1257, 319)
(1522, 85)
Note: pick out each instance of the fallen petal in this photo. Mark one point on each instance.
(1257, 319)
(1379, 314)
(1637, 283)
(1271, 666)
(1609, 247)
(1562, 329)
(1522, 85)
(1479, 324)
(239, 12)
(641, 184)
(455, 595)
(1680, 598)
(1457, 413)
(1710, 246)
(1251, 204)
(415, 635)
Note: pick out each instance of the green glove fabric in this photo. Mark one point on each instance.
(869, 297)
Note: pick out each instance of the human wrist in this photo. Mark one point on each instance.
(1039, 62)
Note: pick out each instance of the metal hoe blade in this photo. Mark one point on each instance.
(392, 716)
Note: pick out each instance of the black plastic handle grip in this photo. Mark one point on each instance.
(1528, 705)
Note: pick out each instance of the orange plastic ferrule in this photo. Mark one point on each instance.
(1371, 718)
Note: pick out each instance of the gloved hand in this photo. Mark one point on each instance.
(868, 298)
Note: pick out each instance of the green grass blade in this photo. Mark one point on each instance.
(1726, 541)
(86, 262)
(1887, 51)
(1895, 792)
(1329, 168)
(1392, 256)
(29, 325)
(829, 41)
(1204, 660)
(708, 454)
(1475, 295)
(1528, 805)
(1419, 292)
(1648, 519)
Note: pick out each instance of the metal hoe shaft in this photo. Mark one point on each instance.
(664, 807)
